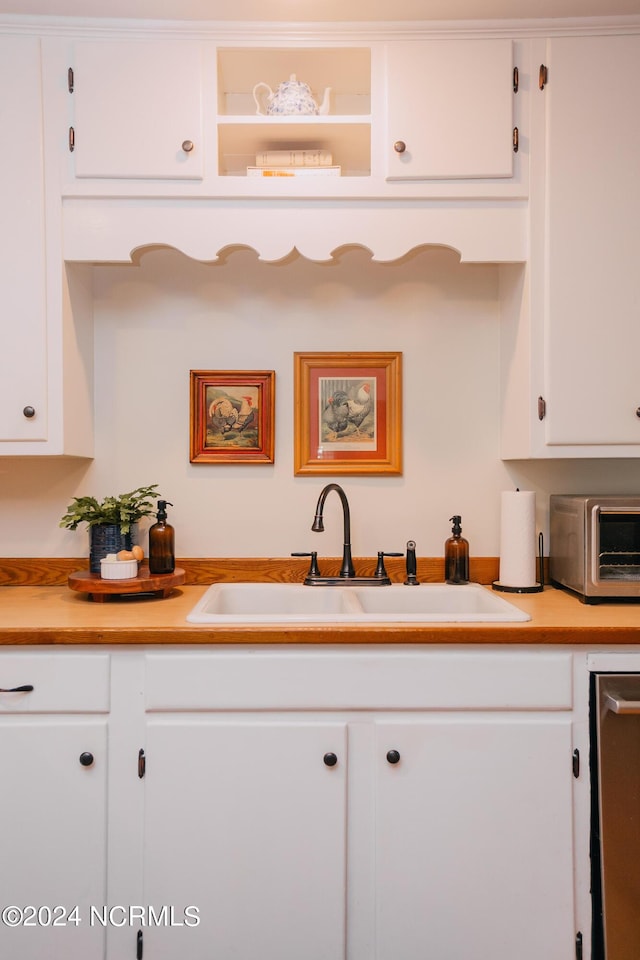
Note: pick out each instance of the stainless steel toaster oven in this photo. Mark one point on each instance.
(594, 546)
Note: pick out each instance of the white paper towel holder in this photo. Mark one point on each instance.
(537, 587)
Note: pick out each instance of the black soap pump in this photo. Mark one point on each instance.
(162, 542)
(456, 555)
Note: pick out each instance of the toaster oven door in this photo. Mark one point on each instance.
(614, 549)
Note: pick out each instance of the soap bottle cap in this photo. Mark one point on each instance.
(162, 509)
(456, 529)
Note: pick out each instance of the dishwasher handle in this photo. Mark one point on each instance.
(620, 705)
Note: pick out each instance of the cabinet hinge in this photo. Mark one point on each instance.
(543, 76)
(575, 763)
(72, 139)
(516, 139)
(516, 79)
(542, 408)
(70, 79)
(139, 945)
(142, 763)
(578, 945)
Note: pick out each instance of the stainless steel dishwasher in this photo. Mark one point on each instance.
(616, 817)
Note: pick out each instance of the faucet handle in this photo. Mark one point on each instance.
(412, 579)
(313, 566)
(381, 573)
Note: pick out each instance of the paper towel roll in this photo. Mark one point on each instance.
(518, 539)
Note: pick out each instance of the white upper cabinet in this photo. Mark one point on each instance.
(215, 118)
(176, 119)
(450, 109)
(571, 324)
(592, 385)
(137, 109)
(46, 393)
(23, 358)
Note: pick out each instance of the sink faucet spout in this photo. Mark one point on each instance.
(347, 569)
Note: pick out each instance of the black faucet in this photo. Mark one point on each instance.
(347, 574)
(346, 570)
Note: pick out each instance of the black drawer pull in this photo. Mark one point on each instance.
(86, 758)
(393, 756)
(25, 688)
(330, 759)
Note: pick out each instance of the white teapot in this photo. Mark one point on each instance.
(292, 97)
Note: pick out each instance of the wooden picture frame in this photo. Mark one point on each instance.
(232, 416)
(347, 413)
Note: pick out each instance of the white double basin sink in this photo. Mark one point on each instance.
(238, 603)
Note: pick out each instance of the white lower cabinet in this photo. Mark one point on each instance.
(53, 804)
(444, 827)
(473, 837)
(245, 828)
(332, 804)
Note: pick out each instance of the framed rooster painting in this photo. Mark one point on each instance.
(232, 416)
(348, 413)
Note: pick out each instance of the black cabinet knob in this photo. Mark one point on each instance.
(86, 759)
(29, 412)
(330, 759)
(393, 756)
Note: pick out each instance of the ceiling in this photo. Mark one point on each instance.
(327, 10)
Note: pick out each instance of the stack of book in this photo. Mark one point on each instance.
(294, 163)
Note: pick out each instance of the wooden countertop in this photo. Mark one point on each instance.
(57, 615)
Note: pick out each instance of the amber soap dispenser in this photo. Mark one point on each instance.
(456, 555)
(162, 542)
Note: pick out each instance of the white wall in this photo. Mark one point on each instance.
(156, 320)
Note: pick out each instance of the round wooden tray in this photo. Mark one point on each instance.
(100, 590)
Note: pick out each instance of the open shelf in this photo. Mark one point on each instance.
(344, 131)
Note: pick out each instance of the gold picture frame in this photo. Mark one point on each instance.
(348, 413)
(232, 416)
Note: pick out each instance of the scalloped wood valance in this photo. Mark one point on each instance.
(100, 230)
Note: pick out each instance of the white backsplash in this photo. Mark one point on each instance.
(165, 315)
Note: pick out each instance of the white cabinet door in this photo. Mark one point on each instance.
(245, 821)
(54, 835)
(23, 357)
(593, 203)
(450, 109)
(474, 838)
(137, 109)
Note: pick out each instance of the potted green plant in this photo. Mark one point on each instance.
(111, 521)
